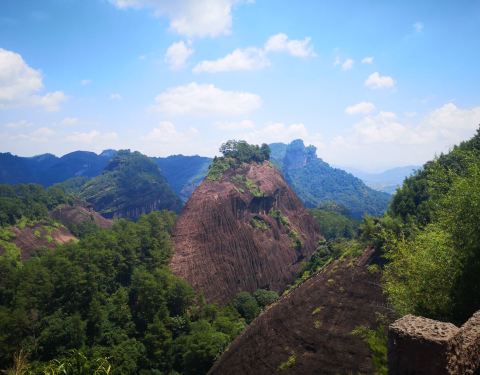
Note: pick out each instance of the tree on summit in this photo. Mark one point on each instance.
(244, 152)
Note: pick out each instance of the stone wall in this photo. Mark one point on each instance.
(418, 345)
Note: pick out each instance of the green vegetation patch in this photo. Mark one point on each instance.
(376, 339)
(259, 223)
(110, 304)
(289, 363)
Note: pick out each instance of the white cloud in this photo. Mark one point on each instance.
(240, 59)
(92, 137)
(177, 55)
(277, 132)
(69, 121)
(167, 139)
(295, 47)
(20, 84)
(18, 124)
(51, 101)
(254, 58)
(347, 64)
(360, 108)
(166, 133)
(206, 18)
(115, 96)
(39, 135)
(399, 141)
(85, 82)
(235, 126)
(418, 27)
(367, 60)
(376, 81)
(205, 99)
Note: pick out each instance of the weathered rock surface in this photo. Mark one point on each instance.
(70, 215)
(238, 234)
(312, 326)
(31, 238)
(418, 345)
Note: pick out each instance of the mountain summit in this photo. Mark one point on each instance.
(315, 181)
(242, 229)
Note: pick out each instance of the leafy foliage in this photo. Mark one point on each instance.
(376, 339)
(30, 202)
(234, 154)
(244, 152)
(430, 237)
(249, 306)
(110, 296)
(334, 221)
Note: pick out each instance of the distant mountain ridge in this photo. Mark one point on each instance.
(312, 179)
(316, 182)
(183, 173)
(388, 180)
(129, 186)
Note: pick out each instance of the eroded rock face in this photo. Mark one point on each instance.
(418, 345)
(244, 232)
(309, 331)
(70, 215)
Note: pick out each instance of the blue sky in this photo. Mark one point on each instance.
(372, 84)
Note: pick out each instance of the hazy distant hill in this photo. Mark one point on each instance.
(315, 181)
(184, 173)
(48, 169)
(130, 185)
(389, 180)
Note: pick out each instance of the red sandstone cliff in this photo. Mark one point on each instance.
(244, 232)
(311, 327)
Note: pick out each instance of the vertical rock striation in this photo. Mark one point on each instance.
(246, 231)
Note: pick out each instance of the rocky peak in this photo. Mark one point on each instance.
(245, 231)
(297, 155)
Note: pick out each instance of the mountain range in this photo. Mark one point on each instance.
(387, 181)
(312, 179)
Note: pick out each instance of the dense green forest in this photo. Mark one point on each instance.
(335, 221)
(28, 201)
(130, 184)
(110, 297)
(316, 182)
(430, 237)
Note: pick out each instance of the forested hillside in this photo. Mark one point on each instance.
(431, 237)
(184, 173)
(130, 185)
(47, 169)
(109, 301)
(316, 182)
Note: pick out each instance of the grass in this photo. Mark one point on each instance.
(219, 167)
(258, 223)
(281, 218)
(253, 188)
(317, 310)
(376, 339)
(289, 363)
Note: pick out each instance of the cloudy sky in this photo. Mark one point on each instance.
(372, 84)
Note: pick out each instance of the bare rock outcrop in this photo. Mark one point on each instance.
(418, 345)
(71, 215)
(246, 231)
(309, 331)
